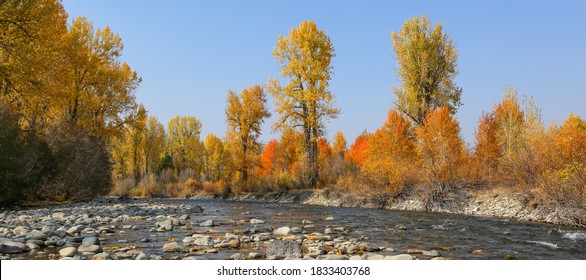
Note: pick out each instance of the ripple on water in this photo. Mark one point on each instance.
(544, 243)
(575, 236)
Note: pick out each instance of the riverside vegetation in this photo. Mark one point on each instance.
(71, 130)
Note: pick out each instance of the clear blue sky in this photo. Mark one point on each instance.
(190, 53)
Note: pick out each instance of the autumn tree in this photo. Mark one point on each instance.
(185, 146)
(216, 158)
(564, 176)
(245, 113)
(390, 154)
(305, 102)
(357, 152)
(339, 146)
(268, 159)
(487, 150)
(101, 98)
(33, 78)
(440, 148)
(427, 67)
(153, 144)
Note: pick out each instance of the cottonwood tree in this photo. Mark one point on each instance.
(427, 61)
(185, 146)
(245, 113)
(305, 102)
(153, 144)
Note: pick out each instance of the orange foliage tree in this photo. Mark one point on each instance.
(390, 153)
(357, 152)
(487, 151)
(268, 159)
(564, 179)
(440, 148)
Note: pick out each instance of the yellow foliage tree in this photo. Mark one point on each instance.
(32, 73)
(153, 144)
(216, 158)
(185, 146)
(101, 95)
(245, 113)
(427, 67)
(339, 146)
(305, 102)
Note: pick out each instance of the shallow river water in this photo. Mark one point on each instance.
(454, 236)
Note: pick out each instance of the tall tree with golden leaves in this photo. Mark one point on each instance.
(339, 146)
(245, 113)
(185, 146)
(427, 67)
(102, 92)
(32, 74)
(153, 144)
(305, 102)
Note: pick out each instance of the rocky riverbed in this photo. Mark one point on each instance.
(185, 229)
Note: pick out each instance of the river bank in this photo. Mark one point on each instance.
(484, 203)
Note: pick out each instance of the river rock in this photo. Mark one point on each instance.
(400, 257)
(19, 230)
(238, 257)
(13, 247)
(141, 257)
(306, 222)
(328, 231)
(92, 249)
(283, 249)
(35, 234)
(196, 209)
(203, 241)
(209, 223)
(282, 231)
(375, 257)
(296, 230)
(431, 253)
(356, 258)
(334, 257)
(33, 246)
(166, 225)
(68, 252)
(172, 247)
(256, 221)
(254, 255)
(90, 241)
(74, 229)
(58, 215)
(234, 243)
(330, 218)
(102, 256)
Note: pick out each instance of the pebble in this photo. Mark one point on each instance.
(93, 249)
(68, 252)
(431, 253)
(256, 221)
(400, 257)
(172, 247)
(209, 223)
(238, 256)
(282, 231)
(90, 241)
(254, 255)
(102, 256)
